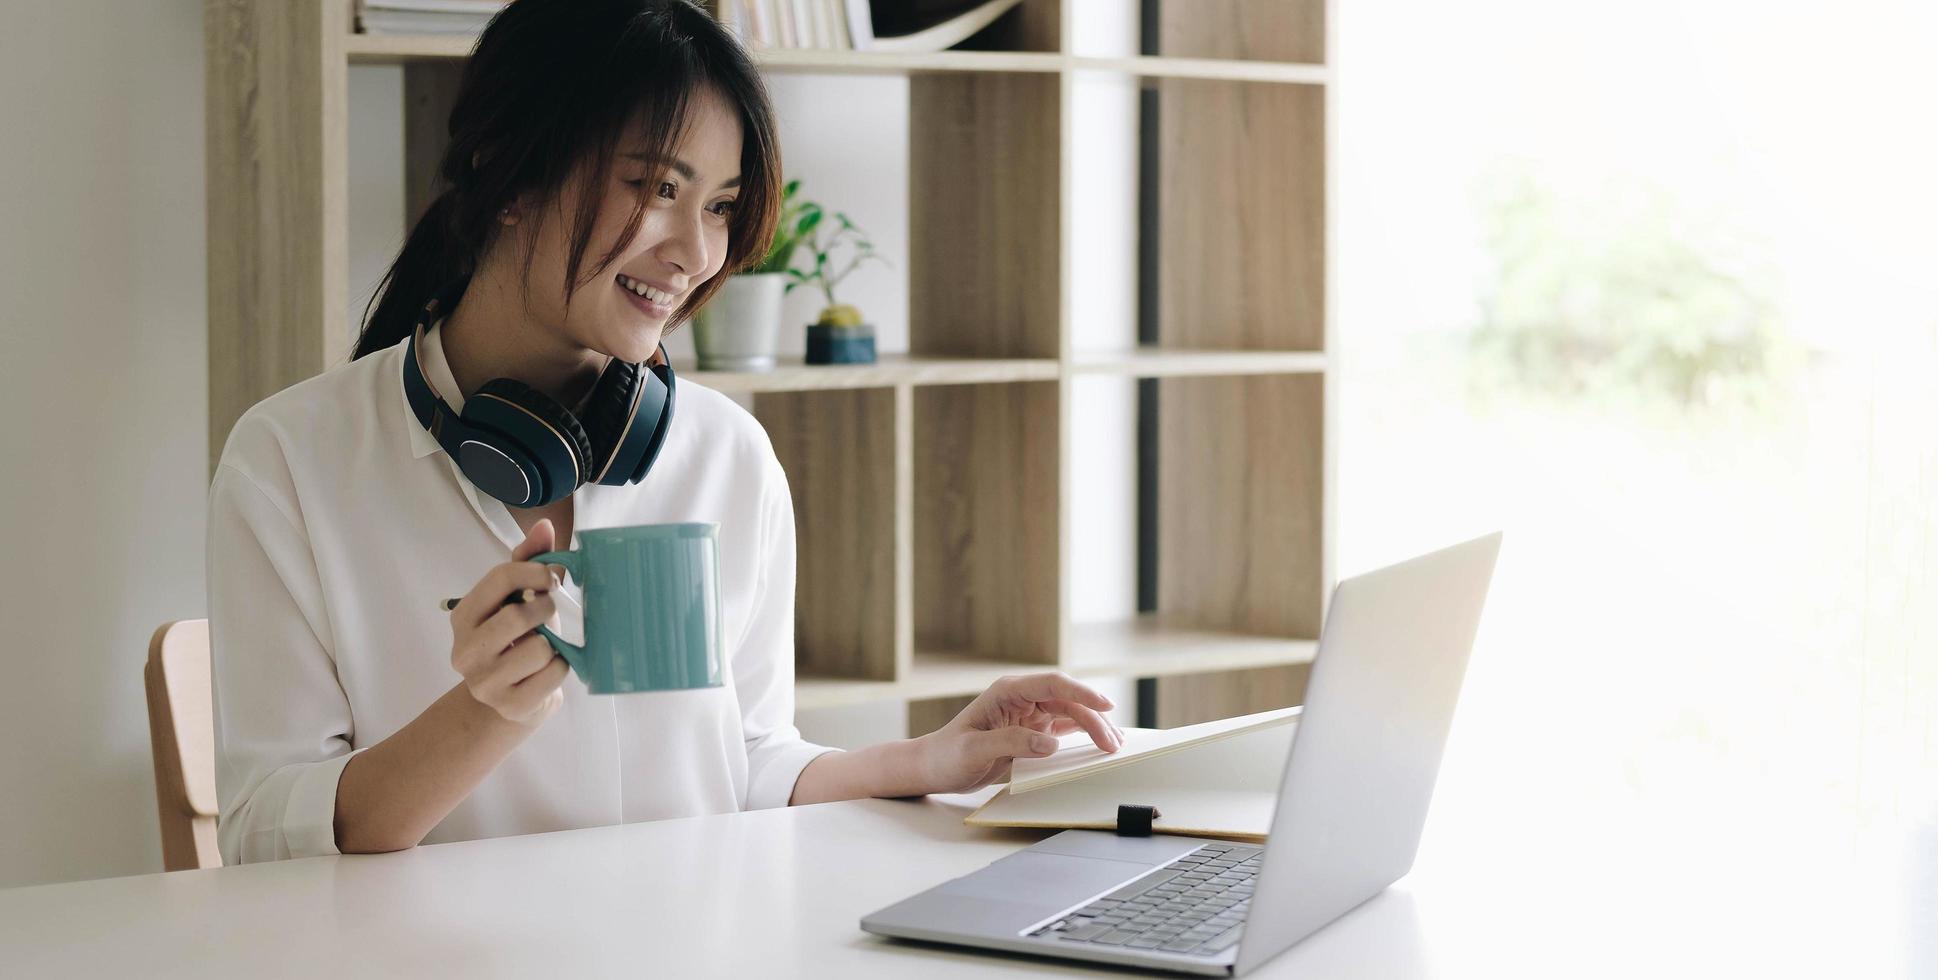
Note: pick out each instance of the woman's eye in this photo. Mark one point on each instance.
(666, 188)
(669, 190)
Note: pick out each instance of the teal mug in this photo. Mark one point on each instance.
(652, 607)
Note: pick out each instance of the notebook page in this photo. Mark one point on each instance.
(1078, 756)
(1227, 787)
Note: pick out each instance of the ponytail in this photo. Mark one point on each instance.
(433, 257)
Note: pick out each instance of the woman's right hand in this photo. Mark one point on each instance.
(505, 663)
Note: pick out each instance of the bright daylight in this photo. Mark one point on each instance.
(1656, 291)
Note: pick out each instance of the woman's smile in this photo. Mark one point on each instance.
(653, 301)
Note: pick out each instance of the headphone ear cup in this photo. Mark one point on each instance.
(608, 410)
(539, 426)
(642, 425)
(655, 412)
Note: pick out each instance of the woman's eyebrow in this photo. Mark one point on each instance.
(682, 168)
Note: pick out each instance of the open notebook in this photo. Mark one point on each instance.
(1218, 779)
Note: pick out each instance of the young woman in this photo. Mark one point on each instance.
(609, 162)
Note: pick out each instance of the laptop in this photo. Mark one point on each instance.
(1351, 802)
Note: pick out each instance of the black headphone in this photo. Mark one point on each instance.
(527, 450)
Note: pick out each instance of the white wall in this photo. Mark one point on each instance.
(103, 356)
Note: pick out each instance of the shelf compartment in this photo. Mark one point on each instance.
(933, 674)
(985, 520)
(401, 49)
(1240, 503)
(1140, 648)
(1145, 66)
(811, 692)
(1240, 222)
(822, 61)
(1024, 39)
(1148, 646)
(1160, 362)
(839, 450)
(1240, 529)
(984, 160)
(1031, 26)
(888, 370)
(395, 49)
(1189, 698)
(1260, 30)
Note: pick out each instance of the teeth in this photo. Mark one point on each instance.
(644, 290)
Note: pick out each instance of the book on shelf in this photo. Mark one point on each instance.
(1216, 779)
(816, 17)
(900, 26)
(426, 16)
(922, 26)
(861, 32)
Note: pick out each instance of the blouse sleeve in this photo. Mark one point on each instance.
(763, 665)
(282, 721)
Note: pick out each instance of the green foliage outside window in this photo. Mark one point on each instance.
(1621, 293)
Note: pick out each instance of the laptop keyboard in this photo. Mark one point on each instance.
(1195, 904)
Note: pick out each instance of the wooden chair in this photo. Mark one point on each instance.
(181, 729)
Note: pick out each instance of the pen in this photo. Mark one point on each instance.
(523, 595)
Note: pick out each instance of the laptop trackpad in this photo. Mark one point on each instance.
(1052, 881)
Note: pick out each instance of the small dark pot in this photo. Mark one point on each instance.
(840, 345)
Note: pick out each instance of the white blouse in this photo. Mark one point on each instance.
(337, 523)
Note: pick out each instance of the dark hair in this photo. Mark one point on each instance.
(552, 83)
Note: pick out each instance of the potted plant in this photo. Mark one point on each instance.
(740, 326)
(839, 336)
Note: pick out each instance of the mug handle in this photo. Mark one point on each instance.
(574, 564)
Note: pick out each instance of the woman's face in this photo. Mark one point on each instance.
(681, 242)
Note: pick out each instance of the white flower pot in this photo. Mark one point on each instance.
(740, 326)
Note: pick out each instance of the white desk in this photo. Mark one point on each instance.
(777, 893)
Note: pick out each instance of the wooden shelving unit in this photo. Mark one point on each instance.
(935, 491)
(890, 370)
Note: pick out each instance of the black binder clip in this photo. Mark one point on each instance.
(1134, 819)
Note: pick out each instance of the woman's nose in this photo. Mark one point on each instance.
(685, 245)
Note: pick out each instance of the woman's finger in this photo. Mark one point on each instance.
(512, 576)
(502, 581)
(548, 676)
(998, 773)
(525, 658)
(1099, 727)
(1010, 742)
(537, 541)
(477, 649)
(512, 622)
(483, 645)
(1054, 685)
(1043, 721)
(528, 696)
(1065, 725)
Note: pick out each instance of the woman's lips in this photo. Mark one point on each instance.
(657, 311)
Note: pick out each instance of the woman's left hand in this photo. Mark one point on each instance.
(1016, 718)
